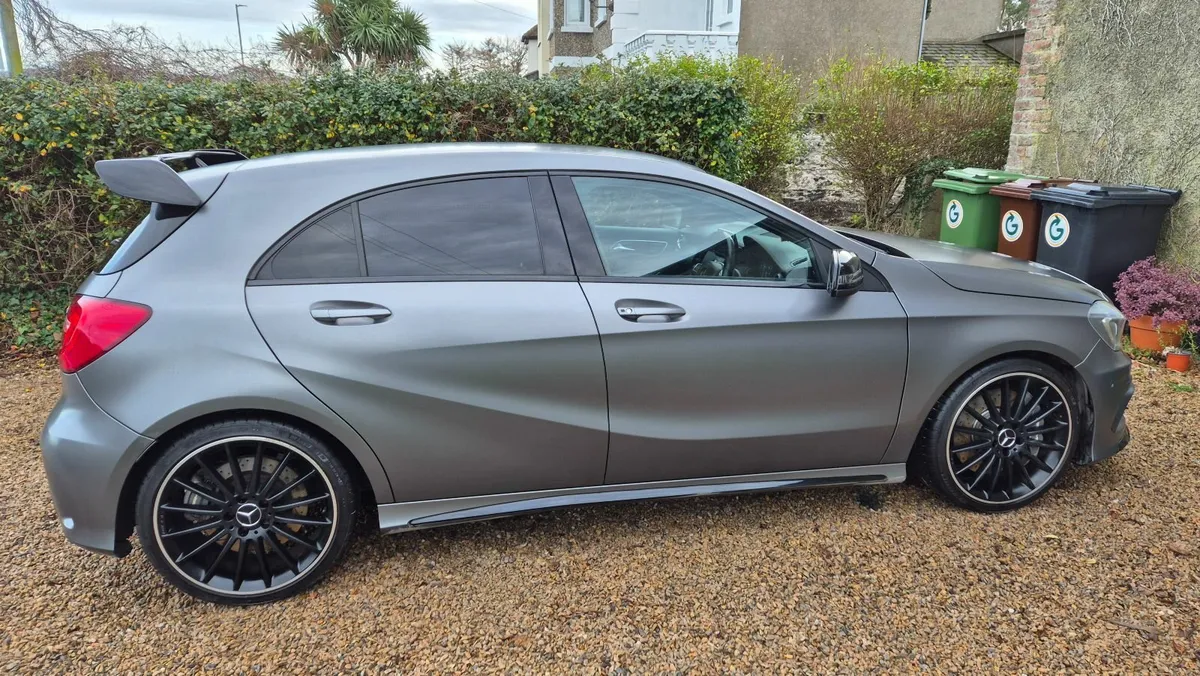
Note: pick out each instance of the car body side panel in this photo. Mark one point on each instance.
(469, 388)
(752, 379)
(200, 352)
(951, 331)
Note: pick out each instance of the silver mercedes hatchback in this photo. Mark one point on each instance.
(446, 333)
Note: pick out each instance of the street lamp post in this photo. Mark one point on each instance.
(921, 40)
(10, 60)
(241, 50)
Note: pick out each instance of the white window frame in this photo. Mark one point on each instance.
(601, 11)
(572, 26)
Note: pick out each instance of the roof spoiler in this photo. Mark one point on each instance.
(152, 179)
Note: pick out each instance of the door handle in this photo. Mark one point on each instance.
(648, 311)
(348, 313)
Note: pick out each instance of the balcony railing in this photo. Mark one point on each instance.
(681, 43)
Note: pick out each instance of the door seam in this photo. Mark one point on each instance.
(604, 365)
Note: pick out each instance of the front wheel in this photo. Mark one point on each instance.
(1002, 436)
(245, 511)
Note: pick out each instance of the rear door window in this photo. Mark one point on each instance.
(462, 228)
(328, 249)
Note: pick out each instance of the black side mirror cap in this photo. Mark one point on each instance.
(845, 273)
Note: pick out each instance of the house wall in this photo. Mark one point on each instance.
(804, 35)
(531, 58)
(1107, 91)
(661, 15)
(961, 20)
(631, 18)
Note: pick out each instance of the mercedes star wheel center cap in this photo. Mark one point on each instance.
(248, 515)
(1006, 438)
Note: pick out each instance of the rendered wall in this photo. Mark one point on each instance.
(1110, 90)
(804, 35)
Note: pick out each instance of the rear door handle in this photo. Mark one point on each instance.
(648, 311)
(348, 313)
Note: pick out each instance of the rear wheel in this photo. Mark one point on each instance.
(245, 511)
(1002, 436)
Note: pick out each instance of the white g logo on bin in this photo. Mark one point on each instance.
(1014, 225)
(954, 213)
(1058, 229)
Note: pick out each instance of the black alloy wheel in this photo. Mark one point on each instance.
(1002, 440)
(246, 518)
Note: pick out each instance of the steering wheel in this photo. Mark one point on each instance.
(708, 263)
(730, 254)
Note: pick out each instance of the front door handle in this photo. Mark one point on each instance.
(648, 311)
(348, 313)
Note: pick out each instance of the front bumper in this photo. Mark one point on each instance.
(1106, 372)
(87, 455)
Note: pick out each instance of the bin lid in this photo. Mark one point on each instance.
(1096, 196)
(962, 186)
(1022, 187)
(977, 175)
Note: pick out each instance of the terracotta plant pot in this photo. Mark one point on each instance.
(1144, 336)
(1179, 361)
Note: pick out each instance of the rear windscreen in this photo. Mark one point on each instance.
(158, 225)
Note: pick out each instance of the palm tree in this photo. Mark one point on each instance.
(360, 33)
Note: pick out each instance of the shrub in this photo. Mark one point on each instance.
(57, 220)
(1148, 289)
(890, 125)
(775, 99)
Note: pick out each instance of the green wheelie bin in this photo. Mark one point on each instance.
(969, 212)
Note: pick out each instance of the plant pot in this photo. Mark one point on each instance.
(1144, 336)
(1179, 361)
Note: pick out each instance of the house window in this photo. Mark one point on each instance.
(729, 6)
(601, 11)
(577, 11)
(708, 15)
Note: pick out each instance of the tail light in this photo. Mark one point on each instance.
(95, 326)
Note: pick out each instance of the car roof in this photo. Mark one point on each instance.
(455, 157)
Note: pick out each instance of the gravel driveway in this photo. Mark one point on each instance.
(1102, 574)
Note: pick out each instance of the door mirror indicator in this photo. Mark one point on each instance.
(845, 273)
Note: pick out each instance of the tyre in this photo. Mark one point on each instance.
(245, 511)
(1002, 436)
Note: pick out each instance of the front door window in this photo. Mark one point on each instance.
(647, 228)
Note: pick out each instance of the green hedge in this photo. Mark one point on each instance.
(57, 221)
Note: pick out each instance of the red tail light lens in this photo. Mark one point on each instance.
(95, 326)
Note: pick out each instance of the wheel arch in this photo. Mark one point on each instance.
(1050, 355)
(126, 506)
(1052, 360)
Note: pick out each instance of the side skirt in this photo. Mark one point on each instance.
(404, 516)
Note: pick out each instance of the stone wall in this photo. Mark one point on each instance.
(1109, 91)
(1031, 113)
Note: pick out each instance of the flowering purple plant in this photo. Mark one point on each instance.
(1149, 289)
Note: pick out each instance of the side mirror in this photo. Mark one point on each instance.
(845, 273)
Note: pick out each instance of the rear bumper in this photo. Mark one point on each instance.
(1110, 386)
(87, 455)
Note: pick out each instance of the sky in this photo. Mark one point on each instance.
(212, 22)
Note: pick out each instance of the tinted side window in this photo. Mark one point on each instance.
(474, 227)
(324, 250)
(652, 229)
(162, 220)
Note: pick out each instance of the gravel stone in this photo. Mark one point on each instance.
(1100, 576)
